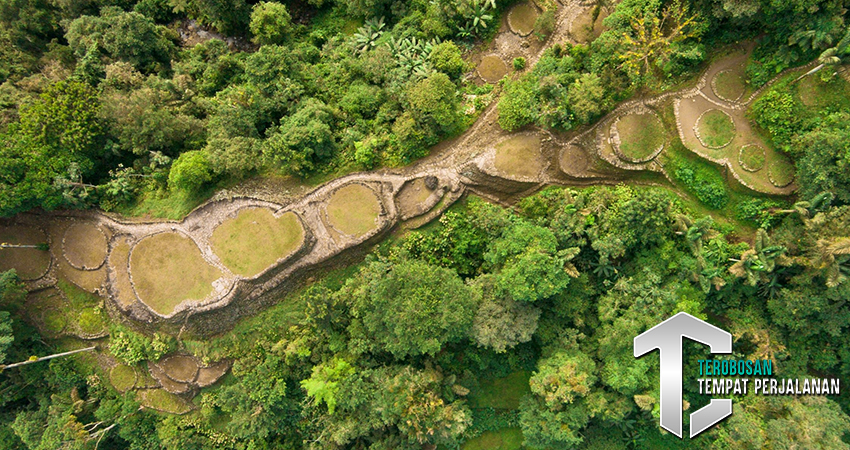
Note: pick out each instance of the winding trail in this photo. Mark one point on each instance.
(483, 160)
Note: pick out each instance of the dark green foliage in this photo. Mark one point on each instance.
(703, 182)
(777, 113)
(825, 161)
(408, 308)
(123, 36)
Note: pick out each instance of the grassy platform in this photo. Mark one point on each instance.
(168, 268)
(640, 135)
(354, 209)
(255, 239)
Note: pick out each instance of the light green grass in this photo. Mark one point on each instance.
(640, 135)
(781, 172)
(716, 128)
(122, 377)
(254, 240)
(353, 209)
(92, 321)
(54, 320)
(168, 268)
(752, 157)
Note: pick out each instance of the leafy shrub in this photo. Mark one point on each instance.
(132, 347)
(519, 63)
(777, 113)
(706, 184)
(756, 212)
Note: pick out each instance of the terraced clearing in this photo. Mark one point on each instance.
(715, 129)
(641, 136)
(729, 85)
(84, 246)
(353, 210)
(168, 269)
(123, 377)
(519, 155)
(521, 18)
(255, 239)
(30, 263)
(492, 68)
(751, 157)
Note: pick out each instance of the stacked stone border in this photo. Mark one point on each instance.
(614, 132)
(65, 247)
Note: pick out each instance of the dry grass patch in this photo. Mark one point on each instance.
(641, 135)
(492, 68)
(412, 196)
(521, 18)
(84, 246)
(167, 269)
(180, 368)
(354, 209)
(30, 263)
(519, 155)
(255, 239)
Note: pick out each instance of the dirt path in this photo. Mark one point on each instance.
(479, 161)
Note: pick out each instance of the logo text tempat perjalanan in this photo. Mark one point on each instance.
(716, 377)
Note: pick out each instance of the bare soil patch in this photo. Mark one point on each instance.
(84, 246)
(255, 239)
(519, 155)
(492, 68)
(167, 269)
(412, 197)
(521, 18)
(574, 160)
(353, 209)
(207, 376)
(30, 263)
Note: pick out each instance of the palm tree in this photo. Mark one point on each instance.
(760, 261)
(832, 56)
(833, 256)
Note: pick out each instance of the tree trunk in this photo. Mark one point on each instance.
(45, 358)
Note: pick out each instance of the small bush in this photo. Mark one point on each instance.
(132, 347)
(704, 183)
(756, 211)
(777, 113)
(519, 63)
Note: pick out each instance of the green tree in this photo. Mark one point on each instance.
(825, 160)
(124, 36)
(529, 265)
(446, 58)
(190, 171)
(435, 100)
(587, 97)
(501, 323)
(408, 308)
(270, 23)
(303, 139)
